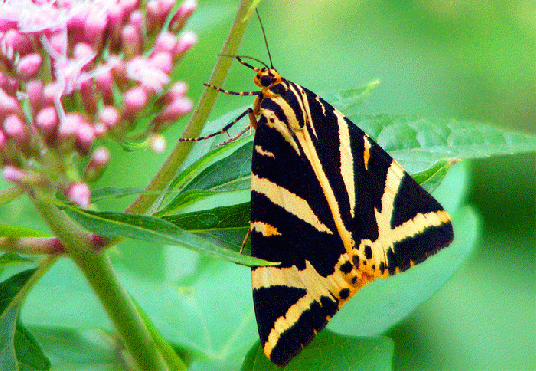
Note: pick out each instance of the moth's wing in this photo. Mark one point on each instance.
(336, 211)
(394, 222)
(292, 224)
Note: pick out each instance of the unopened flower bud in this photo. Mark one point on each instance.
(34, 90)
(29, 65)
(79, 193)
(186, 41)
(157, 143)
(132, 41)
(85, 137)
(135, 100)
(88, 96)
(183, 14)
(163, 61)
(9, 105)
(165, 42)
(17, 130)
(109, 116)
(8, 83)
(94, 27)
(97, 164)
(177, 91)
(46, 122)
(18, 176)
(173, 111)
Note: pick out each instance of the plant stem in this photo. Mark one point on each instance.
(99, 272)
(200, 115)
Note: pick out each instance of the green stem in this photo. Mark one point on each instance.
(99, 272)
(200, 115)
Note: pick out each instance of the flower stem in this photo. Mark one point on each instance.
(99, 272)
(200, 115)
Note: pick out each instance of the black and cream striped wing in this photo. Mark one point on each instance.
(335, 209)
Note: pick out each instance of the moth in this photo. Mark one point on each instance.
(330, 205)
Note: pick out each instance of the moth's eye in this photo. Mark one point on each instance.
(266, 80)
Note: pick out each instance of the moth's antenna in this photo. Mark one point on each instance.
(265, 41)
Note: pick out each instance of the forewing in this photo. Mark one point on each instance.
(335, 209)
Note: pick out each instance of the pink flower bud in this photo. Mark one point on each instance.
(118, 68)
(183, 14)
(104, 83)
(177, 91)
(95, 26)
(16, 129)
(51, 92)
(18, 176)
(115, 24)
(135, 100)
(109, 116)
(3, 141)
(162, 61)
(46, 123)
(157, 143)
(8, 83)
(16, 43)
(165, 42)
(97, 164)
(100, 129)
(84, 52)
(34, 89)
(136, 19)
(186, 41)
(79, 193)
(145, 72)
(69, 127)
(88, 96)
(29, 66)
(15, 175)
(85, 137)
(132, 41)
(172, 112)
(8, 105)
(157, 12)
(129, 5)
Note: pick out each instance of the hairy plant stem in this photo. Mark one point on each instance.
(200, 115)
(99, 272)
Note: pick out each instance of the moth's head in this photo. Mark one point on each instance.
(266, 77)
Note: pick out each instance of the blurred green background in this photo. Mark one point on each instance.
(469, 60)
(473, 60)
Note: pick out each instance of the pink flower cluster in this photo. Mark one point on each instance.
(75, 71)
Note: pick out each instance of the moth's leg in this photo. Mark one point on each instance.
(246, 238)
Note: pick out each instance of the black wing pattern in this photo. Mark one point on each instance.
(335, 209)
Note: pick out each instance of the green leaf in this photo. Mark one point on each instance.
(172, 359)
(18, 348)
(331, 351)
(432, 177)
(19, 232)
(418, 142)
(349, 100)
(383, 303)
(152, 229)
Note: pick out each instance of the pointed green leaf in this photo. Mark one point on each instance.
(19, 232)
(331, 351)
(18, 348)
(153, 229)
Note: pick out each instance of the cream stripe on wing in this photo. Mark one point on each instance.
(289, 201)
(347, 161)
